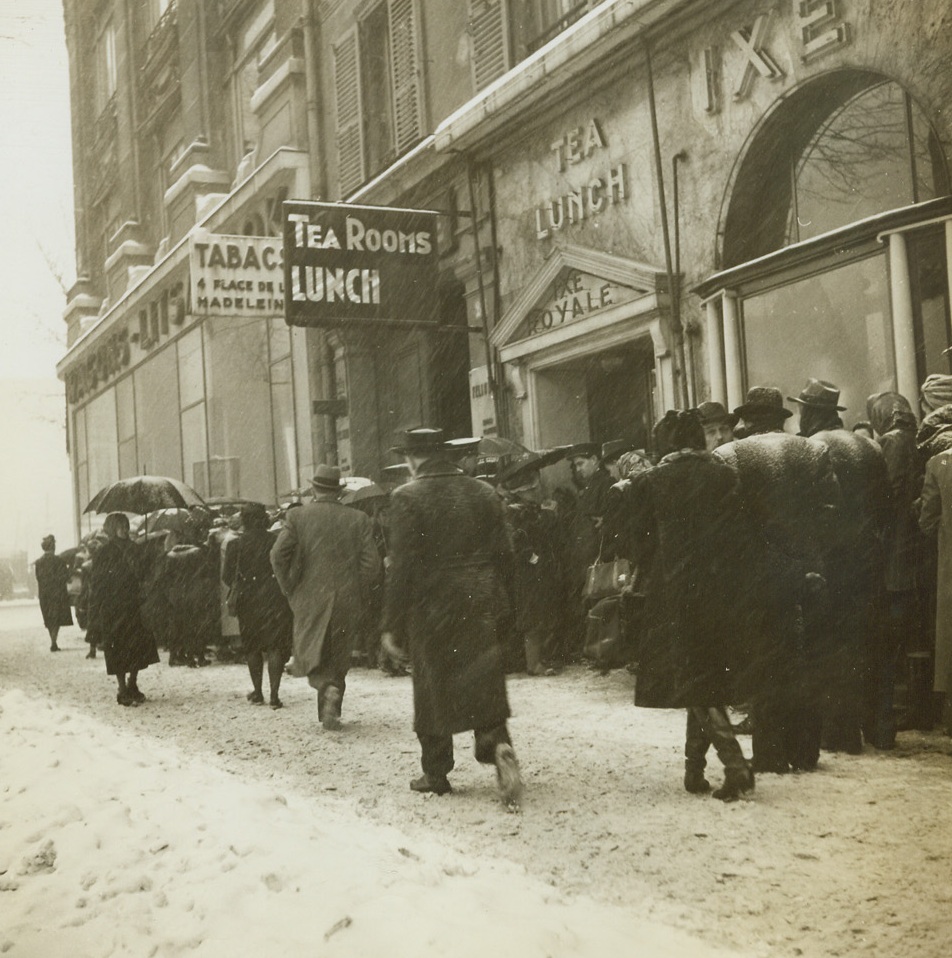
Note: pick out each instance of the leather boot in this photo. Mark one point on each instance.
(696, 744)
(737, 782)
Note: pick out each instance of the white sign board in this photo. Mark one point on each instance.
(236, 275)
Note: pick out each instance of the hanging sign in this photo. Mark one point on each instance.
(359, 265)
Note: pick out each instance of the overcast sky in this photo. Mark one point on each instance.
(36, 247)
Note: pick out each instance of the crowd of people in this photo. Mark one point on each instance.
(790, 576)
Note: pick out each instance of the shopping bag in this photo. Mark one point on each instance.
(605, 579)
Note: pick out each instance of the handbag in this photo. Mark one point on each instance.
(606, 579)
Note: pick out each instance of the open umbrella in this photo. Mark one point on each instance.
(143, 494)
(371, 491)
(492, 447)
(521, 469)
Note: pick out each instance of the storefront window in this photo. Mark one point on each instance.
(928, 273)
(835, 326)
(102, 443)
(282, 412)
(82, 474)
(126, 416)
(239, 409)
(158, 430)
(191, 377)
(195, 449)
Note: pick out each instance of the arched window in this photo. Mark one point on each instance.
(843, 148)
(834, 246)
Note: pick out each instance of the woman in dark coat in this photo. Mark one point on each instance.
(52, 574)
(684, 523)
(264, 616)
(114, 610)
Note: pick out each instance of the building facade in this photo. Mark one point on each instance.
(642, 204)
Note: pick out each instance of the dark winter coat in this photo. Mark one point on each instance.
(451, 562)
(895, 424)
(114, 608)
(263, 612)
(683, 518)
(326, 562)
(936, 519)
(52, 574)
(537, 592)
(586, 525)
(789, 502)
(191, 576)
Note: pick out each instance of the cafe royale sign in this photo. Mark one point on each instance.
(359, 265)
(236, 275)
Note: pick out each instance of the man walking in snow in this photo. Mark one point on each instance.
(451, 559)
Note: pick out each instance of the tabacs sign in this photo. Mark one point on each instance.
(359, 265)
(236, 275)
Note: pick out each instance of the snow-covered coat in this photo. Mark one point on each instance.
(451, 567)
(789, 500)
(936, 518)
(326, 562)
(683, 519)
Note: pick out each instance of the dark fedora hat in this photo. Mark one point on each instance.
(710, 412)
(819, 394)
(586, 449)
(763, 399)
(612, 449)
(327, 479)
(419, 440)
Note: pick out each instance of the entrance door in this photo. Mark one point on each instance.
(598, 397)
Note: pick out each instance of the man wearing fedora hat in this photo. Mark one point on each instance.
(789, 497)
(855, 571)
(326, 563)
(451, 563)
(718, 424)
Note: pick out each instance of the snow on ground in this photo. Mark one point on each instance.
(107, 848)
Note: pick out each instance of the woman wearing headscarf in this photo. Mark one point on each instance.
(683, 518)
(894, 424)
(114, 610)
(52, 574)
(264, 616)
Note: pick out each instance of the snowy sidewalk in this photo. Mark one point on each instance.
(109, 850)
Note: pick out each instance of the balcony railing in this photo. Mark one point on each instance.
(563, 23)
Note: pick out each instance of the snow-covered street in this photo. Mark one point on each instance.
(199, 824)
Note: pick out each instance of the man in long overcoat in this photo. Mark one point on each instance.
(789, 498)
(684, 518)
(326, 563)
(451, 560)
(855, 570)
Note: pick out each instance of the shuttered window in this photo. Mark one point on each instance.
(489, 30)
(405, 74)
(350, 146)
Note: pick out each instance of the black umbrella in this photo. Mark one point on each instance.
(143, 494)
(521, 469)
(373, 491)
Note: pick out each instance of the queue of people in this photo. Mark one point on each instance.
(790, 575)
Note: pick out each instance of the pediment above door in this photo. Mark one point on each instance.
(574, 285)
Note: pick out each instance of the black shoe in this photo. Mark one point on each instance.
(125, 698)
(54, 648)
(737, 782)
(439, 786)
(255, 698)
(276, 703)
(137, 696)
(695, 782)
(91, 654)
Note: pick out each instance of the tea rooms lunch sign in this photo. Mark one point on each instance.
(359, 265)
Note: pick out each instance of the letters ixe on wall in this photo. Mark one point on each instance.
(236, 275)
(573, 296)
